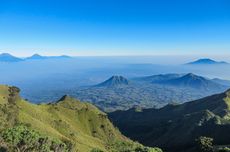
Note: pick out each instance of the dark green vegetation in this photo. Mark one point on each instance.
(119, 93)
(205, 144)
(21, 138)
(63, 126)
(187, 127)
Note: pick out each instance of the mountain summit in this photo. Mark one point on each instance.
(114, 81)
(6, 57)
(206, 61)
(40, 57)
(36, 56)
(193, 81)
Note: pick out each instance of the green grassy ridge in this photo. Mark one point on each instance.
(68, 119)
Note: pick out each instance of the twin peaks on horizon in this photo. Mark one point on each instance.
(181, 80)
(38, 56)
(6, 57)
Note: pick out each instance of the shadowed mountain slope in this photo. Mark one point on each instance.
(175, 127)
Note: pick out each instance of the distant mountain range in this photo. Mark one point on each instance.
(39, 57)
(6, 57)
(175, 127)
(189, 80)
(206, 61)
(118, 92)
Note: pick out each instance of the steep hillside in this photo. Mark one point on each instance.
(75, 125)
(175, 127)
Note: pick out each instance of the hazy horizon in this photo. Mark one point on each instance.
(141, 59)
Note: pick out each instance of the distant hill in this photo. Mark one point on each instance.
(158, 78)
(63, 126)
(40, 57)
(114, 81)
(206, 61)
(175, 127)
(6, 57)
(193, 81)
(221, 81)
(36, 57)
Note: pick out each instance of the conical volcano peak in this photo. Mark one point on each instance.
(114, 81)
(36, 55)
(118, 78)
(192, 76)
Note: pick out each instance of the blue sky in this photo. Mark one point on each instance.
(115, 27)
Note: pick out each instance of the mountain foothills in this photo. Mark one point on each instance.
(180, 127)
(66, 125)
(119, 93)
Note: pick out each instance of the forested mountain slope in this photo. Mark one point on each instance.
(175, 127)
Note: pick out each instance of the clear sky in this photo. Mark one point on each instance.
(115, 27)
